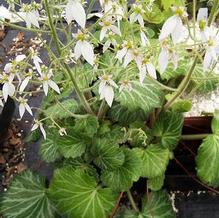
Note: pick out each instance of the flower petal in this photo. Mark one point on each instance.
(151, 70)
(103, 33)
(74, 10)
(128, 58)
(142, 73)
(77, 50)
(45, 87)
(121, 53)
(177, 32)
(21, 110)
(202, 14)
(43, 130)
(168, 27)
(109, 95)
(207, 60)
(87, 52)
(54, 86)
(27, 107)
(163, 60)
(144, 39)
(5, 91)
(24, 84)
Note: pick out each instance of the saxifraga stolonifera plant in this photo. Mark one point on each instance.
(115, 93)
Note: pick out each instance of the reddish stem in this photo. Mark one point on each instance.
(117, 205)
(195, 179)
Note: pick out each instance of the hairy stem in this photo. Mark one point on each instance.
(194, 136)
(132, 201)
(213, 13)
(68, 70)
(183, 85)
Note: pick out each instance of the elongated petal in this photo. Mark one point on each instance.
(133, 17)
(168, 27)
(128, 58)
(20, 58)
(74, 10)
(27, 107)
(54, 86)
(144, 39)
(109, 95)
(34, 127)
(103, 33)
(121, 53)
(177, 33)
(140, 20)
(87, 52)
(4, 13)
(43, 131)
(202, 14)
(142, 73)
(45, 88)
(151, 70)
(5, 91)
(77, 50)
(115, 29)
(21, 110)
(11, 89)
(24, 84)
(207, 60)
(163, 60)
(106, 45)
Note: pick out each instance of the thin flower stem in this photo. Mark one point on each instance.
(68, 70)
(195, 179)
(183, 85)
(24, 28)
(194, 136)
(213, 13)
(117, 205)
(102, 109)
(132, 201)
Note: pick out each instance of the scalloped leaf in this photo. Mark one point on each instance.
(79, 195)
(155, 160)
(156, 183)
(168, 129)
(49, 152)
(215, 123)
(144, 96)
(207, 160)
(122, 178)
(57, 111)
(107, 155)
(27, 197)
(157, 205)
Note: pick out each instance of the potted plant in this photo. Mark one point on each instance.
(113, 107)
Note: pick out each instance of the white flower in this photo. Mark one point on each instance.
(202, 22)
(8, 88)
(47, 82)
(4, 13)
(75, 11)
(129, 53)
(125, 84)
(212, 41)
(37, 124)
(1, 103)
(174, 26)
(83, 48)
(106, 88)
(24, 83)
(165, 55)
(62, 132)
(24, 106)
(147, 67)
(137, 15)
(144, 39)
(107, 26)
(20, 58)
(110, 40)
(30, 16)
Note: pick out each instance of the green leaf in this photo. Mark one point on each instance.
(154, 15)
(137, 137)
(122, 178)
(78, 194)
(207, 160)
(205, 82)
(181, 105)
(71, 145)
(168, 3)
(87, 126)
(49, 151)
(144, 96)
(157, 205)
(107, 155)
(27, 197)
(124, 116)
(155, 160)
(168, 129)
(215, 123)
(58, 112)
(156, 183)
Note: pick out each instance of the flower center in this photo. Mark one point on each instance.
(81, 37)
(106, 23)
(202, 24)
(210, 42)
(45, 78)
(179, 11)
(105, 77)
